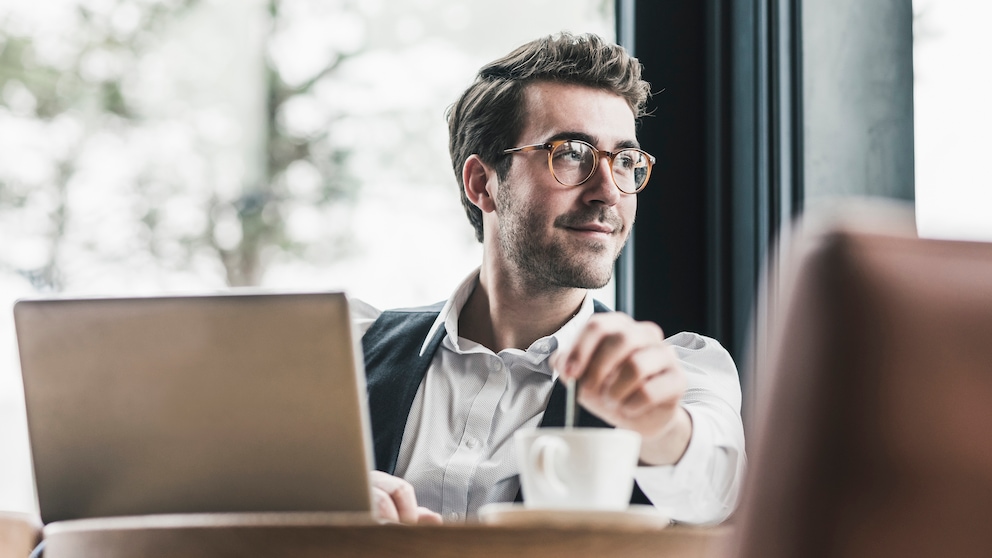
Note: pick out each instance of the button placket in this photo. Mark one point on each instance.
(460, 469)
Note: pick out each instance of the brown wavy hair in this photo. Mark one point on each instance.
(489, 115)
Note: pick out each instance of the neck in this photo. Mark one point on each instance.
(503, 313)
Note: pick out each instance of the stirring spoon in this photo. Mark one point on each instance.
(569, 403)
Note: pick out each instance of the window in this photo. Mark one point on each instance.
(171, 146)
(952, 118)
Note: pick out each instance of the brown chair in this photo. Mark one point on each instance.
(875, 437)
(19, 534)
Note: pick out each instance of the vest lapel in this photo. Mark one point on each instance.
(394, 369)
(554, 415)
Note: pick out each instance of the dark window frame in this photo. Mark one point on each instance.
(726, 126)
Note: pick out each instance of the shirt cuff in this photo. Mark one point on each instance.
(686, 491)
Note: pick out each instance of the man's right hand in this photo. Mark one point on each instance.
(394, 500)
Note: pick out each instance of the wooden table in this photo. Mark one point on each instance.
(344, 535)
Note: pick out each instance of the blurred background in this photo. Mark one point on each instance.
(151, 146)
(953, 116)
(162, 146)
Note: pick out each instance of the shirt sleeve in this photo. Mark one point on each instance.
(702, 488)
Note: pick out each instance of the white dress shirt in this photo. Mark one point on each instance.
(457, 448)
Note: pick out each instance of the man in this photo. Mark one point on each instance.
(544, 147)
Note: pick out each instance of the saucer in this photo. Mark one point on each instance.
(516, 515)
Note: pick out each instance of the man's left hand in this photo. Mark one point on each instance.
(630, 377)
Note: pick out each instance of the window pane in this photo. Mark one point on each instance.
(953, 117)
(157, 147)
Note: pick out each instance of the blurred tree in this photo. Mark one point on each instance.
(57, 92)
(83, 148)
(260, 207)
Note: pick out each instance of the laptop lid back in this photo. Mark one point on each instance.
(192, 404)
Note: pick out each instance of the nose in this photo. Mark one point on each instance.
(600, 188)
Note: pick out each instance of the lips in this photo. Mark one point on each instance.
(594, 227)
(597, 222)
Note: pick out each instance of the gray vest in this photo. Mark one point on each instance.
(394, 369)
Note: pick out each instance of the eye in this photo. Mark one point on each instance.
(627, 160)
(571, 152)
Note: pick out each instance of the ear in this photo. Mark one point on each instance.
(480, 182)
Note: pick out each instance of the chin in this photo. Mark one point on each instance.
(602, 280)
(593, 276)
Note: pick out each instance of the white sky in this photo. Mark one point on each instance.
(953, 117)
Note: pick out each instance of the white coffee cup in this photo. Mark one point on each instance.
(577, 468)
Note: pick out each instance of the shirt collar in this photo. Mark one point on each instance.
(448, 318)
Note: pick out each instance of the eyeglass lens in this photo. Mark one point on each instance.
(573, 162)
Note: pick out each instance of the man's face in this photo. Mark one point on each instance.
(556, 236)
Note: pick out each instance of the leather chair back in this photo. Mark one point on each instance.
(875, 438)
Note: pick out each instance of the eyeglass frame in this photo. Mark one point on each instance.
(550, 147)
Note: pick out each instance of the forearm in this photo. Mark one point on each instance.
(668, 446)
(703, 486)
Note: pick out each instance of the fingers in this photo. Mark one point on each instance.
(605, 347)
(428, 517)
(383, 507)
(628, 375)
(605, 342)
(393, 499)
(650, 377)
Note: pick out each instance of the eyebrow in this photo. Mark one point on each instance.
(573, 135)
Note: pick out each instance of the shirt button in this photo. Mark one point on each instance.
(471, 443)
(453, 516)
(495, 365)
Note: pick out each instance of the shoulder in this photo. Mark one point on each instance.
(364, 316)
(361, 310)
(429, 309)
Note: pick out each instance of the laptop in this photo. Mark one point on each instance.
(193, 404)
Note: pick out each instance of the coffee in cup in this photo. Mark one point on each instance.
(577, 468)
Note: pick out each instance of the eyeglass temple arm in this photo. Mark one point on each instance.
(531, 147)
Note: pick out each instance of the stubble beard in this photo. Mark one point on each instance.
(548, 264)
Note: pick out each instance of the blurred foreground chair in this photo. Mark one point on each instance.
(19, 534)
(875, 437)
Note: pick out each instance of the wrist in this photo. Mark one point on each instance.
(669, 445)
